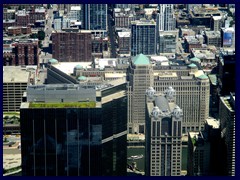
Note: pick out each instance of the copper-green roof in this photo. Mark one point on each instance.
(213, 78)
(53, 61)
(192, 65)
(82, 78)
(141, 60)
(79, 66)
(203, 76)
(195, 59)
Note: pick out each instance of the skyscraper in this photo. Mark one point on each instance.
(163, 134)
(95, 17)
(226, 70)
(191, 84)
(74, 130)
(166, 19)
(193, 89)
(227, 126)
(143, 37)
(140, 78)
(204, 150)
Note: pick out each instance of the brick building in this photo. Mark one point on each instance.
(72, 46)
(25, 52)
(17, 30)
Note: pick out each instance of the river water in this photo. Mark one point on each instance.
(140, 162)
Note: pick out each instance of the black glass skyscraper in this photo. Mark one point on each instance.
(74, 139)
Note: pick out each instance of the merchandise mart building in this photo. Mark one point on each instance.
(74, 130)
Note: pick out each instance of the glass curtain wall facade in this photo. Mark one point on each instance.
(75, 141)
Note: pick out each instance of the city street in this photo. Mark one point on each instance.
(46, 52)
(111, 35)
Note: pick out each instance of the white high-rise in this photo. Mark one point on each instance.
(166, 19)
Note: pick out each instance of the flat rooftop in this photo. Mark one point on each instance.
(213, 34)
(202, 53)
(68, 67)
(15, 74)
(226, 101)
(124, 34)
(89, 104)
(213, 122)
(144, 22)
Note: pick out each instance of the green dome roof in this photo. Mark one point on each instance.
(203, 76)
(79, 66)
(195, 59)
(53, 61)
(82, 78)
(141, 60)
(192, 65)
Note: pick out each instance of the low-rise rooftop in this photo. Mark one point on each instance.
(15, 74)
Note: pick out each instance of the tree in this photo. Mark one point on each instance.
(41, 35)
(34, 36)
(40, 44)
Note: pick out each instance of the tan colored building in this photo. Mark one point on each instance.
(163, 134)
(140, 78)
(192, 87)
(15, 81)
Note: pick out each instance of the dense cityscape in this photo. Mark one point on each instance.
(119, 89)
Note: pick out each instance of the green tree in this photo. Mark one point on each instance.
(41, 35)
(40, 44)
(34, 36)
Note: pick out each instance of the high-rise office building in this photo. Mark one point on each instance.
(205, 156)
(163, 134)
(227, 125)
(193, 89)
(191, 84)
(198, 154)
(140, 78)
(74, 13)
(74, 130)
(94, 17)
(166, 20)
(72, 46)
(216, 23)
(226, 70)
(143, 37)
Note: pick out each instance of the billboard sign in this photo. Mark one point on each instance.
(227, 38)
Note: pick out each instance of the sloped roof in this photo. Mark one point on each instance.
(203, 76)
(141, 59)
(195, 59)
(192, 65)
